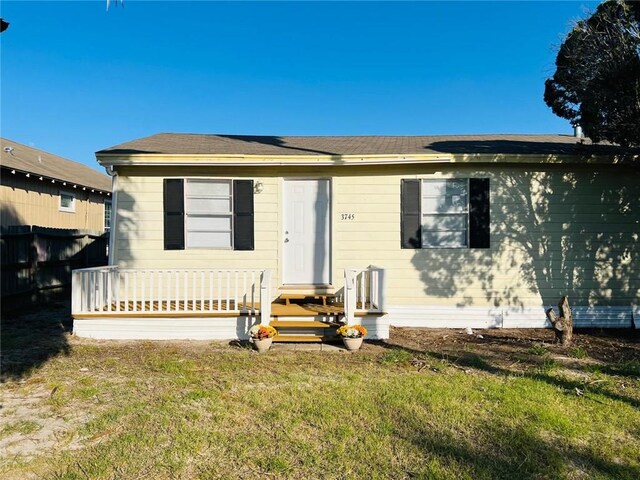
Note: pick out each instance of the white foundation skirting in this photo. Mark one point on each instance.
(377, 326)
(525, 317)
(162, 328)
(227, 328)
(201, 328)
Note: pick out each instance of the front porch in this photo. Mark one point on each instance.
(115, 303)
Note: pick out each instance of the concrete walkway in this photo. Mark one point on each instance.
(309, 347)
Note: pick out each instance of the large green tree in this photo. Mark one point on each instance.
(597, 80)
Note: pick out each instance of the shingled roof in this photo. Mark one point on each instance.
(38, 162)
(216, 144)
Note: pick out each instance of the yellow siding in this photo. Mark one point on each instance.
(553, 232)
(29, 201)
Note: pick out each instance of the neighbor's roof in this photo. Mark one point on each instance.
(204, 144)
(31, 160)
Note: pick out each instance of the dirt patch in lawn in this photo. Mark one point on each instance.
(613, 345)
(512, 350)
(30, 426)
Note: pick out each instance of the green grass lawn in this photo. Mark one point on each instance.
(209, 410)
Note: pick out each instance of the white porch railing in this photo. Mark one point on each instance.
(111, 290)
(363, 291)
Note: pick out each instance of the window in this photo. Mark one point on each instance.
(67, 202)
(445, 213)
(209, 214)
(107, 215)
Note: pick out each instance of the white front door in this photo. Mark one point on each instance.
(307, 244)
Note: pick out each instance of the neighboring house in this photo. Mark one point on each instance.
(435, 231)
(38, 188)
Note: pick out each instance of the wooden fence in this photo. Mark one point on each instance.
(36, 259)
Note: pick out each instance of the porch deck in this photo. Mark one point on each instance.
(109, 302)
(207, 308)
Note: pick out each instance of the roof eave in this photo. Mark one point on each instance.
(61, 181)
(262, 160)
(235, 160)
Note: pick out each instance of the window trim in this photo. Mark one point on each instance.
(466, 213)
(70, 209)
(229, 181)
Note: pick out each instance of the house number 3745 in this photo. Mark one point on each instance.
(348, 216)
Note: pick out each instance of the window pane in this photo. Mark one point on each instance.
(208, 208)
(107, 215)
(66, 201)
(208, 187)
(456, 187)
(444, 196)
(434, 188)
(209, 223)
(208, 205)
(209, 239)
(444, 213)
(449, 186)
(444, 222)
(444, 239)
(451, 204)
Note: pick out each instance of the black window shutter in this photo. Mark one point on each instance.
(173, 214)
(243, 215)
(479, 216)
(410, 224)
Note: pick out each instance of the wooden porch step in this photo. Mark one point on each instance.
(288, 297)
(293, 296)
(299, 324)
(307, 310)
(307, 289)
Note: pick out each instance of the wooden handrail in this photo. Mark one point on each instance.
(363, 291)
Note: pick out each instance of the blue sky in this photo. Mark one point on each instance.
(77, 78)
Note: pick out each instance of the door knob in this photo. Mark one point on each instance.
(286, 240)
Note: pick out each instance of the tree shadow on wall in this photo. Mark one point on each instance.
(554, 231)
(127, 232)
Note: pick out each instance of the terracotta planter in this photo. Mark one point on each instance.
(352, 343)
(263, 345)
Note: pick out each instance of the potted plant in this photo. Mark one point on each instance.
(262, 336)
(352, 336)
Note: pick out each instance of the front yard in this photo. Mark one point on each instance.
(426, 404)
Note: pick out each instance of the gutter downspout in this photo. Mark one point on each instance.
(114, 213)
